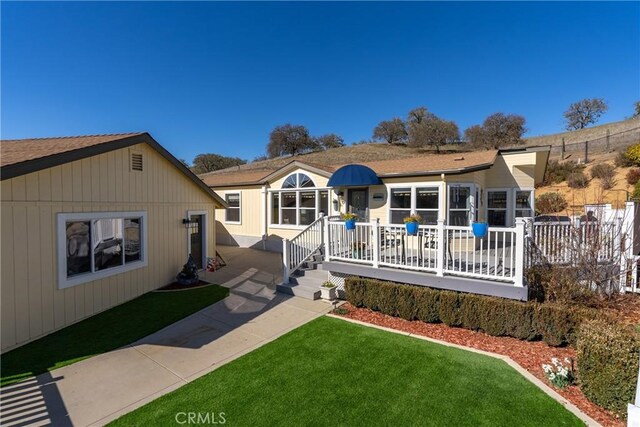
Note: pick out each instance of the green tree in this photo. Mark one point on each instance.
(584, 113)
(497, 131)
(425, 128)
(289, 140)
(327, 141)
(208, 162)
(391, 131)
(636, 109)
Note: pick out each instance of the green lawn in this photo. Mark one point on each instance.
(330, 372)
(106, 331)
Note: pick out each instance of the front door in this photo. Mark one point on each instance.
(358, 199)
(196, 238)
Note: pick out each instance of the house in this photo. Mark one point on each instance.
(279, 207)
(90, 222)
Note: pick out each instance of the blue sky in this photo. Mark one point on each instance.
(217, 77)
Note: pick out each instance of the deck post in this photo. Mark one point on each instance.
(375, 240)
(326, 242)
(440, 245)
(518, 277)
(285, 261)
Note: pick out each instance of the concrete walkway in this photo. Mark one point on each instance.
(98, 390)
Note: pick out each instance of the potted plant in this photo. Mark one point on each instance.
(349, 220)
(480, 229)
(328, 291)
(358, 249)
(412, 222)
(189, 274)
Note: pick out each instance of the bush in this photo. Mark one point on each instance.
(633, 176)
(636, 191)
(558, 172)
(556, 324)
(550, 203)
(577, 180)
(607, 360)
(603, 170)
(607, 183)
(622, 161)
(633, 154)
(558, 285)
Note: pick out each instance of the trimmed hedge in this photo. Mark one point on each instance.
(607, 361)
(554, 323)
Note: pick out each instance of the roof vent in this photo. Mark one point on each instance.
(136, 162)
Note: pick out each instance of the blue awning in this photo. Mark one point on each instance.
(354, 176)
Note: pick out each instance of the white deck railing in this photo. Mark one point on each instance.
(302, 247)
(436, 249)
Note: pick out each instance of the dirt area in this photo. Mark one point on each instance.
(529, 355)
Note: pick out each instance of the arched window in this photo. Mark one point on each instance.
(298, 202)
(298, 180)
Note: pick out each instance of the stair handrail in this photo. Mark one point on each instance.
(299, 249)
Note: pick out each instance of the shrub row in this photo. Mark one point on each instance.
(607, 361)
(556, 324)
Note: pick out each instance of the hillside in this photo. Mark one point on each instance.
(616, 129)
(593, 194)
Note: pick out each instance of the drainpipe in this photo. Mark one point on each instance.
(263, 215)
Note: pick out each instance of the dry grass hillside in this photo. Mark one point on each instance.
(593, 193)
(590, 134)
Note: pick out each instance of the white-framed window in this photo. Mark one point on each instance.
(523, 203)
(462, 208)
(498, 208)
(423, 200)
(233, 214)
(299, 202)
(94, 245)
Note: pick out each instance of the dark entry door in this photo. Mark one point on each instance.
(197, 239)
(359, 203)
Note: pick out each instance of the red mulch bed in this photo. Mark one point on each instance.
(175, 286)
(529, 355)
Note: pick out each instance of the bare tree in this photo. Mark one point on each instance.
(289, 140)
(328, 141)
(425, 128)
(497, 131)
(584, 113)
(391, 131)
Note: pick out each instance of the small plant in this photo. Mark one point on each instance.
(550, 203)
(607, 182)
(348, 216)
(341, 311)
(559, 375)
(577, 180)
(603, 171)
(622, 161)
(633, 176)
(328, 284)
(412, 218)
(636, 191)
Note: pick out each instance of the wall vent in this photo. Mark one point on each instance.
(136, 161)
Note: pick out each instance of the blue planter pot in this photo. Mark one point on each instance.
(480, 229)
(412, 228)
(350, 224)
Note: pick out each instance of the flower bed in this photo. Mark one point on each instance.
(529, 355)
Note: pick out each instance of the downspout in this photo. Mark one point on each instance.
(263, 215)
(443, 198)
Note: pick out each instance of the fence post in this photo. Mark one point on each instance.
(562, 149)
(375, 226)
(608, 135)
(327, 242)
(285, 261)
(586, 152)
(441, 252)
(518, 278)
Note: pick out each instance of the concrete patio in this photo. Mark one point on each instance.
(100, 389)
